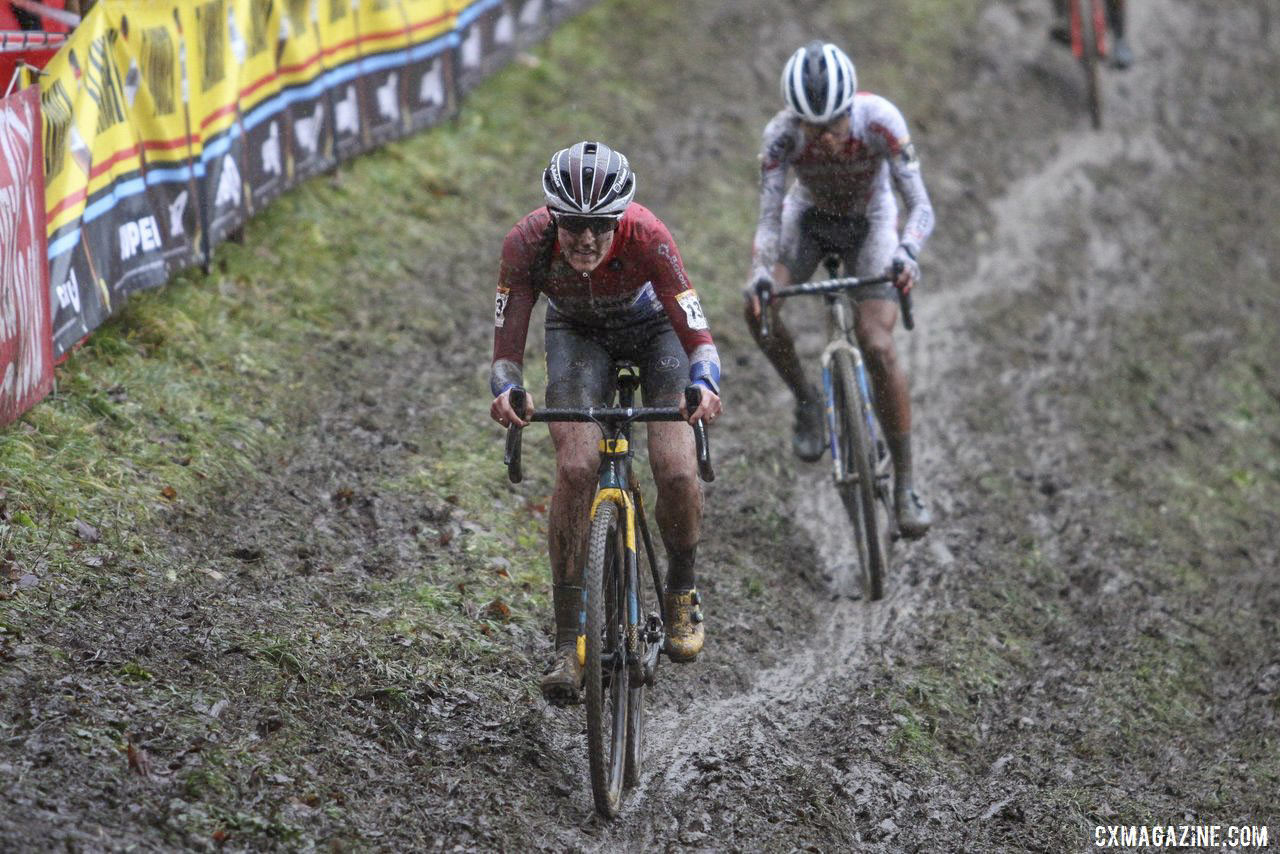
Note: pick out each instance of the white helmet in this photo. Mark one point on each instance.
(588, 178)
(819, 82)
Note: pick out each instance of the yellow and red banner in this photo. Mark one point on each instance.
(168, 123)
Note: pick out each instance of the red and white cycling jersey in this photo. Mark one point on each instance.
(857, 180)
(641, 276)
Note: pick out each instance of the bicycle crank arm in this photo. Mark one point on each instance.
(654, 637)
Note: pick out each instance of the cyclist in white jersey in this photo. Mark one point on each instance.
(849, 150)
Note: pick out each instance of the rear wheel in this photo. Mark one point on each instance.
(857, 481)
(606, 658)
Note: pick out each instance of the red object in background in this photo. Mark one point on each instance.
(32, 46)
(26, 336)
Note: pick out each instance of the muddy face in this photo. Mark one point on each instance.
(585, 250)
(829, 137)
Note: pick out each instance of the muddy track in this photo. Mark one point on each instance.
(813, 721)
(1056, 215)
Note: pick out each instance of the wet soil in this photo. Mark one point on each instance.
(1088, 636)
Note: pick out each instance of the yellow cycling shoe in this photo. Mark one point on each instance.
(684, 624)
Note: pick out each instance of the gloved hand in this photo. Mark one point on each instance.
(908, 270)
(751, 293)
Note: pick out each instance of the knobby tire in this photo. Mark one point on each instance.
(604, 581)
(857, 450)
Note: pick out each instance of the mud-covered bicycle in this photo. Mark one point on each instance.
(621, 625)
(860, 461)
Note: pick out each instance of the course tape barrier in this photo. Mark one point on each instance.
(26, 356)
(168, 124)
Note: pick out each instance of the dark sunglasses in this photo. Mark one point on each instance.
(578, 224)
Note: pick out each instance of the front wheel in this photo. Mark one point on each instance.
(856, 482)
(604, 583)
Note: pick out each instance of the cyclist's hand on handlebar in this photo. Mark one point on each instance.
(502, 411)
(905, 269)
(762, 283)
(708, 410)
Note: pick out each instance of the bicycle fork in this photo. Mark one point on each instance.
(840, 468)
(648, 638)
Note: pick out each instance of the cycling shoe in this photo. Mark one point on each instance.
(914, 518)
(684, 624)
(561, 683)
(810, 439)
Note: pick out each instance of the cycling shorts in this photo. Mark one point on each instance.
(580, 360)
(865, 247)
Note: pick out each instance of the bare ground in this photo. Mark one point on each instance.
(1088, 636)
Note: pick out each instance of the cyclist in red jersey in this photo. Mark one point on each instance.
(616, 288)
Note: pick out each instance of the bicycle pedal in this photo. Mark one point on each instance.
(653, 629)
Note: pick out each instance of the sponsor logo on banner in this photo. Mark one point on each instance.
(473, 48)
(488, 42)
(431, 90)
(69, 293)
(388, 103)
(142, 235)
(176, 209)
(306, 130)
(271, 151)
(504, 29)
(346, 113)
(229, 192)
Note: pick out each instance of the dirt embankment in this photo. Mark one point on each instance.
(1087, 637)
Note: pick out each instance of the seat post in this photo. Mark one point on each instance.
(628, 381)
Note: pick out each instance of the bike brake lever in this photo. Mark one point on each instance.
(512, 455)
(764, 293)
(702, 443)
(908, 320)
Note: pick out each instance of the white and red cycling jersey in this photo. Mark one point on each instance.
(855, 182)
(640, 278)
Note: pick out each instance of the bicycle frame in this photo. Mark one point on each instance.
(862, 470)
(840, 331)
(614, 485)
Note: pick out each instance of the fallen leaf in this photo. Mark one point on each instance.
(87, 532)
(139, 762)
(496, 610)
(169, 492)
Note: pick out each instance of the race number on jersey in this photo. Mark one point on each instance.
(500, 306)
(688, 300)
